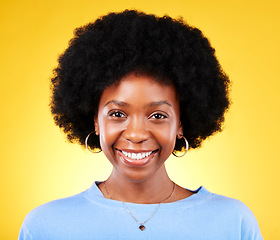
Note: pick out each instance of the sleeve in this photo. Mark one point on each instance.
(23, 234)
(30, 228)
(250, 229)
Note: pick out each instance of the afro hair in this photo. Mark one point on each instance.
(104, 51)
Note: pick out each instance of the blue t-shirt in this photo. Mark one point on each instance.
(88, 216)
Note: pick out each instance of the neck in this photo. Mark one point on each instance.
(153, 190)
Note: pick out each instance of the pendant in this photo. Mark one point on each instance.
(142, 227)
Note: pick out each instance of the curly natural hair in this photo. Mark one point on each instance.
(102, 52)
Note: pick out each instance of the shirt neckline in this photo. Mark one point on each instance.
(200, 195)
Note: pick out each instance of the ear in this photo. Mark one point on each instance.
(180, 131)
(96, 126)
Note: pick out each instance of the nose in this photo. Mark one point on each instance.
(136, 130)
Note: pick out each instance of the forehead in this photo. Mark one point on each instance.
(143, 89)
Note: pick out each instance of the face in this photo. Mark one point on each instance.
(138, 121)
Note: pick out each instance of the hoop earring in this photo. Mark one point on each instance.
(86, 140)
(187, 147)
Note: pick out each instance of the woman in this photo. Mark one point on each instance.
(140, 88)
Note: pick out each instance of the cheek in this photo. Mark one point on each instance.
(169, 143)
(166, 136)
(109, 133)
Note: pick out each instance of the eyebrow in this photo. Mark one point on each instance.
(157, 103)
(120, 103)
(152, 104)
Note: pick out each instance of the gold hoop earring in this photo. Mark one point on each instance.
(86, 140)
(187, 147)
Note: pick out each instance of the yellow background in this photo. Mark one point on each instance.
(38, 166)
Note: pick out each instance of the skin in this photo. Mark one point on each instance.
(139, 115)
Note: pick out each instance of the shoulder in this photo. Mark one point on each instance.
(48, 214)
(219, 204)
(230, 205)
(236, 212)
(58, 206)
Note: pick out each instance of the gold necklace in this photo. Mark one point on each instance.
(141, 225)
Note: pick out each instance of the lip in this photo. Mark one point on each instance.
(136, 163)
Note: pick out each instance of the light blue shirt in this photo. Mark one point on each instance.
(88, 216)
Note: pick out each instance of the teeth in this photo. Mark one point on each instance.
(137, 156)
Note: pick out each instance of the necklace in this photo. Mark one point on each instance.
(141, 225)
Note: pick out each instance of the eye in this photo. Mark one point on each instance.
(158, 116)
(116, 114)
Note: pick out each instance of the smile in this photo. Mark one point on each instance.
(136, 159)
(136, 156)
